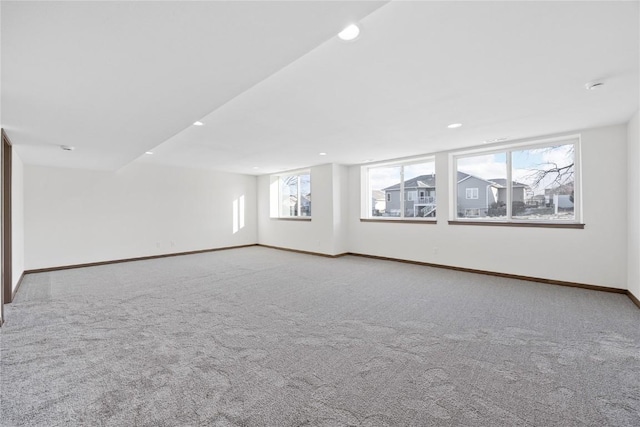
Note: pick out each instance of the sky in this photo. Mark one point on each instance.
(524, 163)
(386, 176)
(289, 186)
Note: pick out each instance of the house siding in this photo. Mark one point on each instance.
(518, 195)
(479, 203)
(394, 204)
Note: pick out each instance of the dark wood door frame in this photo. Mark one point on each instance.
(7, 282)
(1, 232)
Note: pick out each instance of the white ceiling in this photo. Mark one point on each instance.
(275, 86)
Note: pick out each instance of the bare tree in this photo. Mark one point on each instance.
(552, 174)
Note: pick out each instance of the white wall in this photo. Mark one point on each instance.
(325, 233)
(596, 255)
(633, 197)
(340, 209)
(79, 216)
(17, 218)
(76, 216)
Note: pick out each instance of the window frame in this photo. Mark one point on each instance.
(366, 204)
(507, 149)
(276, 195)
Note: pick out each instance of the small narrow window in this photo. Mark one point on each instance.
(294, 195)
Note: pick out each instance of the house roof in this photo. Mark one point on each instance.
(503, 183)
(377, 194)
(429, 181)
(422, 181)
(462, 176)
(496, 182)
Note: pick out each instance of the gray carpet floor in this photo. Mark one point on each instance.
(261, 337)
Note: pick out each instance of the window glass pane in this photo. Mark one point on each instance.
(482, 186)
(543, 187)
(384, 187)
(420, 190)
(305, 195)
(289, 195)
(294, 195)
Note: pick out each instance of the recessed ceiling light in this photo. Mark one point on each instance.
(368, 160)
(351, 32)
(67, 148)
(593, 85)
(256, 168)
(323, 154)
(148, 152)
(198, 123)
(454, 125)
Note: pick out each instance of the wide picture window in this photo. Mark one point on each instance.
(402, 191)
(533, 183)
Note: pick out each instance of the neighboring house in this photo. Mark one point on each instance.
(537, 200)
(562, 189)
(305, 208)
(565, 190)
(479, 197)
(560, 197)
(521, 192)
(420, 197)
(290, 205)
(476, 196)
(378, 203)
(562, 202)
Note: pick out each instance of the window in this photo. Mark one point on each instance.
(401, 190)
(293, 194)
(525, 183)
(472, 193)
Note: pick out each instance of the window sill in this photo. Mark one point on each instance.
(293, 218)
(519, 224)
(402, 221)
